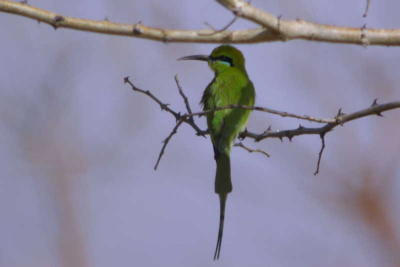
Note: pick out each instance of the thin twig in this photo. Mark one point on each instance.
(215, 31)
(322, 136)
(263, 109)
(185, 99)
(251, 150)
(166, 107)
(153, 97)
(166, 141)
(368, 2)
(188, 108)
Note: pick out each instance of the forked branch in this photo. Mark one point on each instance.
(329, 124)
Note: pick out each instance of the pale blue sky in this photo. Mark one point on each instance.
(77, 146)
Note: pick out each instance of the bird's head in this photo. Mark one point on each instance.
(222, 58)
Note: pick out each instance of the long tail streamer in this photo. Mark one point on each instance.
(222, 201)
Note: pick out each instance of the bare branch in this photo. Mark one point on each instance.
(137, 30)
(154, 98)
(340, 119)
(251, 150)
(264, 109)
(330, 124)
(272, 28)
(188, 108)
(185, 99)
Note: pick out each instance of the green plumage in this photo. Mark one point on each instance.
(230, 86)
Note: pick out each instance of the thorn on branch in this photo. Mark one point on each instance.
(237, 12)
(364, 39)
(265, 132)
(243, 134)
(281, 36)
(136, 28)
(339, 116)
(339, 113)
(165, 37)
(57, 19)
(202, 133)
(374, 104)
(164, 106)
(322, 136)
(278, 26)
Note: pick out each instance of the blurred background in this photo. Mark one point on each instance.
(78, 146)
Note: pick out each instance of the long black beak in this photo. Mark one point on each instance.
(195, 57)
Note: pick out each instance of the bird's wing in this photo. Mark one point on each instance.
(224, 125)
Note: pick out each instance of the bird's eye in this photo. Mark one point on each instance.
(223, 59)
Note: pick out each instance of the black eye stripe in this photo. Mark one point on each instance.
(223, 58)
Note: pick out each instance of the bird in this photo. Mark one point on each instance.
(230, 86)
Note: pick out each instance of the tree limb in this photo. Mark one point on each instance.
(340, 119)
(272, 28)
(136, 30)
(251, 150)
(300, 29)
(188, 118)
(330, 124)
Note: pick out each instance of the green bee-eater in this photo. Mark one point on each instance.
(231, 85)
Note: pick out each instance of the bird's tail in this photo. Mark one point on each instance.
(223, 183)
(223, 186)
